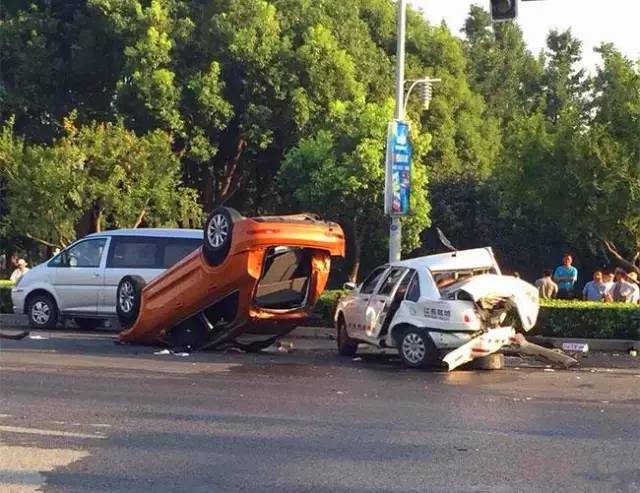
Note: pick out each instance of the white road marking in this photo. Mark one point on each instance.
(21, 468)
(6, 416)
(51, 433)
(100, 425)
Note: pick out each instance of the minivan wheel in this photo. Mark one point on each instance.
(218, 232)
(346, 345)
(416, 348)
(42, 312)
(128, 298)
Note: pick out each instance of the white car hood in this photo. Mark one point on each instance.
(524, 295)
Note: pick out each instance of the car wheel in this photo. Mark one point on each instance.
(218, 232)
(88, 323)
(416, 348)
(128, 298)
(346, 345)
(42, 312)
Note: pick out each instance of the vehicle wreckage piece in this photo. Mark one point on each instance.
(253, 278)
(493, 341)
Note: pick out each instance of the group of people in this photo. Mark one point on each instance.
(619, 286)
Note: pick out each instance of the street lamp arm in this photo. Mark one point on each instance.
(427, 80)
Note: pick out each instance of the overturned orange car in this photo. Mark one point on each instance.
(253, 279)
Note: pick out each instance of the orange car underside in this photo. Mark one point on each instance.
(248, 292)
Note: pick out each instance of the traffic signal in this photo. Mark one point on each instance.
(504, 10)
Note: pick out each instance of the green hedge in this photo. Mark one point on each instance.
(5, 296)
(556, 319)
(588, 319)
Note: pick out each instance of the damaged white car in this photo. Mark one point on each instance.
(448, 308)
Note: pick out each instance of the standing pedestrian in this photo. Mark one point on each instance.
(566, 276)
(546, 287)
(20, 271)
(624, 290)
(594, 290)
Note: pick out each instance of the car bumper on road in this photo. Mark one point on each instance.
(485, 344)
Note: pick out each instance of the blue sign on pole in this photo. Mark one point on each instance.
(398, 169)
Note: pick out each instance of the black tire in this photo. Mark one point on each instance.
(218, 233)
(128, 299)
(346, 345)
(88, 323)
(42, 312)
(416, 348)
(188, 335)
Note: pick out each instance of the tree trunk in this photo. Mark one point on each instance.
(354, 247)
(629, 264)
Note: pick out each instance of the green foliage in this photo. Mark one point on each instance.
(6, 305)
(98, 176)
(589, 320)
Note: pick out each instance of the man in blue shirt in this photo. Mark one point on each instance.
(565, 277)
(594, 290)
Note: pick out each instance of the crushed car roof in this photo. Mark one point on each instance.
(476, 258)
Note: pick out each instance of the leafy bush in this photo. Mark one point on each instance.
(588, 319)
(326, 307)
(5, 296)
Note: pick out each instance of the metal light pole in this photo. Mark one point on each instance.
(395, 229)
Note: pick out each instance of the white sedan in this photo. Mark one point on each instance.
(450, 308)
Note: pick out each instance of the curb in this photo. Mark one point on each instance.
(604, 345)
(12, 321)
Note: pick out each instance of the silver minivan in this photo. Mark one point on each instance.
(80, 282)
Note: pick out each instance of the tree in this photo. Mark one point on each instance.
(339, 171)
(98, 176)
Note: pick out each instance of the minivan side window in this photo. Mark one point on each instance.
(369, 284)
(134, 252)
(87, 253)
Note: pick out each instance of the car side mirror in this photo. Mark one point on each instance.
(349, 286)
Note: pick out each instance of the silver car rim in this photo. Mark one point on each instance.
(40, 312)
(125, 298)
(218, 230)
(413, 348)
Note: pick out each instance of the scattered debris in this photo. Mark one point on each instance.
(357, 359)
(37, 337)
(548, 369)
(633, 352)
(285, 347)
(163, 352)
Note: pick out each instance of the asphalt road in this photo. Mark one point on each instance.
(81, 414)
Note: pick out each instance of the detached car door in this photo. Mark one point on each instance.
(381, 304)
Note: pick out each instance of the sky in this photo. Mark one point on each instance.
(592, 21)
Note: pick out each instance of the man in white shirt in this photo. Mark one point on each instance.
(20, 271)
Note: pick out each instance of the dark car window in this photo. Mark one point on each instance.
(413, 292)
(177, 249)
(391, 281)
(131, 252)
(369, 284)
(404, 286)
